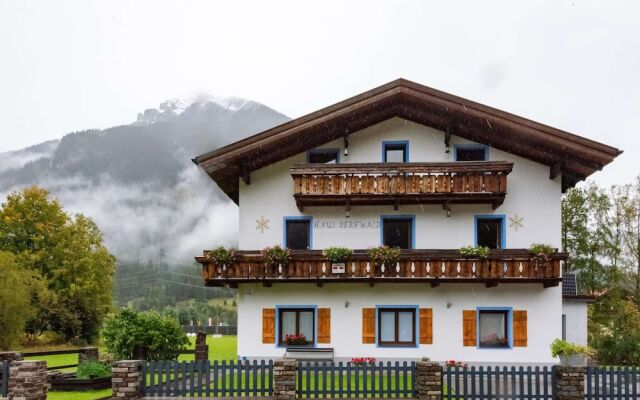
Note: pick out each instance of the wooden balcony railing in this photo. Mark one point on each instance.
(434, 266)
(480, 182)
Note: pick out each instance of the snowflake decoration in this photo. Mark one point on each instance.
(262, 224)
(516, 222)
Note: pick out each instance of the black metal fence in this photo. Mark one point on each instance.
(612, 383)
(351, 380)
(4, 378)
(521, 383)
(197, 379)
(211, 330)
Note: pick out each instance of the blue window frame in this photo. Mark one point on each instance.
(323, 156)
(292, 225)
(507, 312)
(394, 148)
(283, 308)
(494, 230)
(390, 241)
(398, 308)
(470, 152)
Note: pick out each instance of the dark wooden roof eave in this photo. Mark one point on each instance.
(576, 157)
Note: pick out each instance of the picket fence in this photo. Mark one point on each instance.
(4, 378)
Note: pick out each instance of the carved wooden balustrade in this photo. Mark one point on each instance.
(479, 182)
(435, 266)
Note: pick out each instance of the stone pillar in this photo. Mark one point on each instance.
(202, 349)
(10, 356)
(569, 383)
(28, 380)
(126, 379)
(88, 354)
(428, 380)
(284, 379)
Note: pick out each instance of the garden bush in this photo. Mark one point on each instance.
(160, 335)
(93, 369)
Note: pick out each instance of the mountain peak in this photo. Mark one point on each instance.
(172, 108)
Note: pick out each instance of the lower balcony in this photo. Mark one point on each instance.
(427, 266)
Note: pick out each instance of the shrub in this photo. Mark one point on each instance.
(93, 369)
(275, 255)
(160, 335)
(564, 348)
(384, 255)
(222, 256)
(541, 249)
(337, 254)
(474, 251)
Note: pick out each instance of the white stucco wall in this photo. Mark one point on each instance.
(531, 196)
(447, 301)
(576, 320)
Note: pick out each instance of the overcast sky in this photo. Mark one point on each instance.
(73, 65)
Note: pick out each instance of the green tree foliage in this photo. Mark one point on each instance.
(15, 304)
(161, 335)
(68, 254)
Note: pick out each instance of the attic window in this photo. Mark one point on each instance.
(395, 152)
(471, 153)
(323, 156)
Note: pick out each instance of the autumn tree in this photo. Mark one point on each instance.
(15, 303)
(68, 253)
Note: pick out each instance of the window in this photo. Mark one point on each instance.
(397, 232)
(470, 153)
(490, 231)
(324, 156)
(396, 327)
(395, 152)
(493, 330)
(297, 233)
(296, 322)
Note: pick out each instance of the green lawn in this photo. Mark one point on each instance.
(223, 348)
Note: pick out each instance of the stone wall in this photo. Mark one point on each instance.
(428, 380)
(88, 354)
(28, 380)
(126, 380)
(570, 383)
(10, 356)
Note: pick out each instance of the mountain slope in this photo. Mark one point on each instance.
(137, 181)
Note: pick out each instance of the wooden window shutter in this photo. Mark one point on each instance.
(268, 325)
(520, 328)
(368, 325)
(469, 336)
(426, 326)
(324, 325)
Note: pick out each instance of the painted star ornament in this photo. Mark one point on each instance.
(262, 224)
(516, 222)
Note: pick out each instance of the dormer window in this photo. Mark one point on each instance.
(323, 156)
(395, 152)
(470, 152)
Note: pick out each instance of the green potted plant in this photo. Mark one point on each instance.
(222, 256)
(386, 255)
(480, 252)
(571, 354)
(337, 256)
(274, 256)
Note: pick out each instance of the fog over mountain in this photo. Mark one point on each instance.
(137, 181)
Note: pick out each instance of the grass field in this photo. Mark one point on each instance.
(223, 348)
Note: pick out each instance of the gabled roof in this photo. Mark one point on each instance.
(574, 157)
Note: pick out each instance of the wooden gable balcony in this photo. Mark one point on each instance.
(430, 266)
(468, 182)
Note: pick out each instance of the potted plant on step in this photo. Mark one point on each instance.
(571, 354)
(338, 257)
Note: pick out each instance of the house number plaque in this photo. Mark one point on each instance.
(338, 268)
